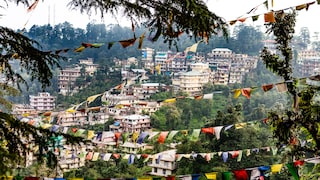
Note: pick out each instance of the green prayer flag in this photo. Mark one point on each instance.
(293, 170)
(110, 44)
(255, 18)
(195, 135)
(96, 45)
(172, 134)
(226, 176)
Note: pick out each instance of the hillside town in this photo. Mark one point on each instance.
(128, 105)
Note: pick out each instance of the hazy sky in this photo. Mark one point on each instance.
(56, 11)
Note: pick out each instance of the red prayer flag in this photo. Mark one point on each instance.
(240, 174)
(267, 87)
(269, 17)
(74, 130)
(298, 163)
(117, 156)
(246, 92)
(163, 136)
(86, 45)
(126, 43)
(209, 130)
(33, 6)
(170, 178)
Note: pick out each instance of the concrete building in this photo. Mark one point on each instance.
(24, 110)
(132, 123)
(43, 101)
(90, 67)
(163, 163)
(67, 77)
(147, 57)
(190, 82)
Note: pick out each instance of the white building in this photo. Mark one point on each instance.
(43, 101)
(191, 82)
(163, 163)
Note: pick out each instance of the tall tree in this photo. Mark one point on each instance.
(299, 122)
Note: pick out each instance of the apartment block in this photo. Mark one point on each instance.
(43, 101)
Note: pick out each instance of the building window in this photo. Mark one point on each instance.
(155, 170)
(164, 172)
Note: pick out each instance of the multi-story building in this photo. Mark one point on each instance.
(132, 123)
(163, 163)
(67, 79)
(77, 118)
(220, 53)
(308, 61)
(43, 101)
(68, 76)
(90, 67)
(229, 68)
(144, 91)
(147, 57)
(23, 110)
(190, 82)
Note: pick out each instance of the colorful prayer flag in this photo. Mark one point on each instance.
(163, 136)
(128, 42)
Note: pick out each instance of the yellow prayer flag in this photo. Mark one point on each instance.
(212, 175)
(184, 132)
(75, 178)
(158, 68)
(71, 110)
(237, 93)
(240, 125)
(172, 100)
(276, 168)
(79, 49)
(6, 177)
(46, 126)
(144, 178)
(232, 22)
(302, 6)
(95, 156)
(92, 98)
(90, 134)
(135, 136)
